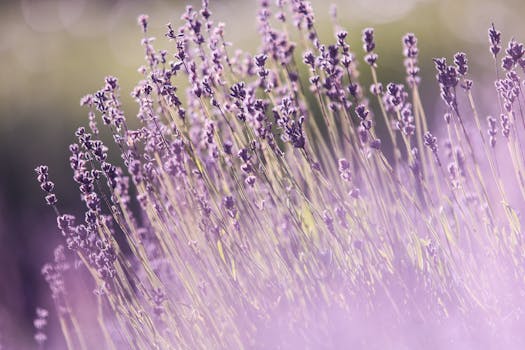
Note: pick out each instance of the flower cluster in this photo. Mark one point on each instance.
(40, 322)
(47, 186)
(258, 207)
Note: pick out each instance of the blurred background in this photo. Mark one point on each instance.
(52, 52)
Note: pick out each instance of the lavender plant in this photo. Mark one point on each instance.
(258, 207)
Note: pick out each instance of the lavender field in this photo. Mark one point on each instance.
(262, 175)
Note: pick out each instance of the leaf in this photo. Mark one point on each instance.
(221, 251)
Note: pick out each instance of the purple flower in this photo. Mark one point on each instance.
(431, 142)
(143, 22)
(495, 40)
(371, 59)
(460, 59)
(361, 111)
(368, 40)
(492, 130)
(375, 144)
(250, 180)
(410, 51)
(515, 50)
(344, 169)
